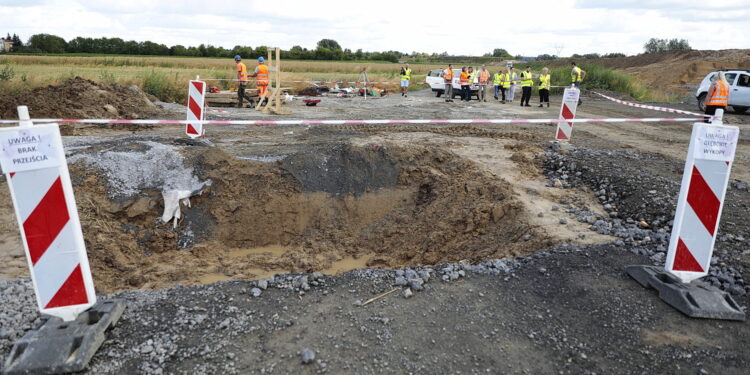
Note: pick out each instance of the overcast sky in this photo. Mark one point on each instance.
(473, 27)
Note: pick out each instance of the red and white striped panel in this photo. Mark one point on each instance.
(49, 235)
(567, 112)
(195, 108)
(697, 216)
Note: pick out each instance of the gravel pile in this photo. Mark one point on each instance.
(640, 206)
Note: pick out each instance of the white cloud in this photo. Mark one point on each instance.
(582, 26)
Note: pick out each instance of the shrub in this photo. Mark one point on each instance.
(163, 87)
(7, 73)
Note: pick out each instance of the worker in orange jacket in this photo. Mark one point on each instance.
(241, 80)
(484, 79)
(261, 76)
(718, 95)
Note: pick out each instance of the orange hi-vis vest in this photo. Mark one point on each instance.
(720, 97)
(448, 75)
(484, 76)
(463, 79)
(242, 69)
(262, 76)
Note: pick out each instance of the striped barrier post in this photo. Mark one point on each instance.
(33, 160)
(567, 112)
(701, 199)
(195, 108)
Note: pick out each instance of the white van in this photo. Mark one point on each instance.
(739, 89)
(435, 79)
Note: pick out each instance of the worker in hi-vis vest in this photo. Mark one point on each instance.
(505, 82)
(261, 78)
(484, 79)
(526, 82)
(448, 78)
(544, 86)
(241, 80)
(576, 77)
(717, 96)
(405, 80)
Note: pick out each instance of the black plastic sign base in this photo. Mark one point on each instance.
(696, 300)
(59, 347)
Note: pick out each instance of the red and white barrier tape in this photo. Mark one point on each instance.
(655, 108)
(357, 122)
(316, 82)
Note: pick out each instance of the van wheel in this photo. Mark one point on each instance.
(438, 93)
(738, 109)
(702, 102)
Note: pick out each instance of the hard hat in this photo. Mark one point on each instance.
(237, 57)
(261, 59)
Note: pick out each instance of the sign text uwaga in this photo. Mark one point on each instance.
(27, 149)
(716, 142)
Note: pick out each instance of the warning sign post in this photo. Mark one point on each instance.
(696, 223)
(567, 112)
(33, 160)
(195, 108)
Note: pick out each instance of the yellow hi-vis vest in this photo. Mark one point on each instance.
(498, 79)
(406, 75)
(575, 75)
(526, 80)
(506, 80)
(544, 81)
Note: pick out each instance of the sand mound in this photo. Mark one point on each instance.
(80, 98)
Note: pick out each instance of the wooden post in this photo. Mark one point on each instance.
(278, 80)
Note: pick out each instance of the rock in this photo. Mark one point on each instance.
(145, 349)
(256, 292)
(541, 214)
(401, 281)
(557, 183)
(410, 274)
(564, 220)
(307, 355)
(736, 290)
(416, 284)
(316, 276)
(643, 224)
(408, 293)
(555, 208)
(357, 303)
(425, 275)
(141, 206)
(542, 270)
(263, 284)
(526, 237)
(111, 109)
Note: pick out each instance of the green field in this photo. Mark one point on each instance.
(166, 77)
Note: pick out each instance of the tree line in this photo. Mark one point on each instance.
(326, 49)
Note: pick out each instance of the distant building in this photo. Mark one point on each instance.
(5, 45)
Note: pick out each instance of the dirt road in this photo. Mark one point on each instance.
(378, 197)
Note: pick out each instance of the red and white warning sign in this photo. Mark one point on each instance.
(195, 108)
(567, 112)
(704, 184)
(33, 160)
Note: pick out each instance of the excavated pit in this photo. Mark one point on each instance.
(329, 207)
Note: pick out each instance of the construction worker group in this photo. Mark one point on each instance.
(260, 74)
(505, 83)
